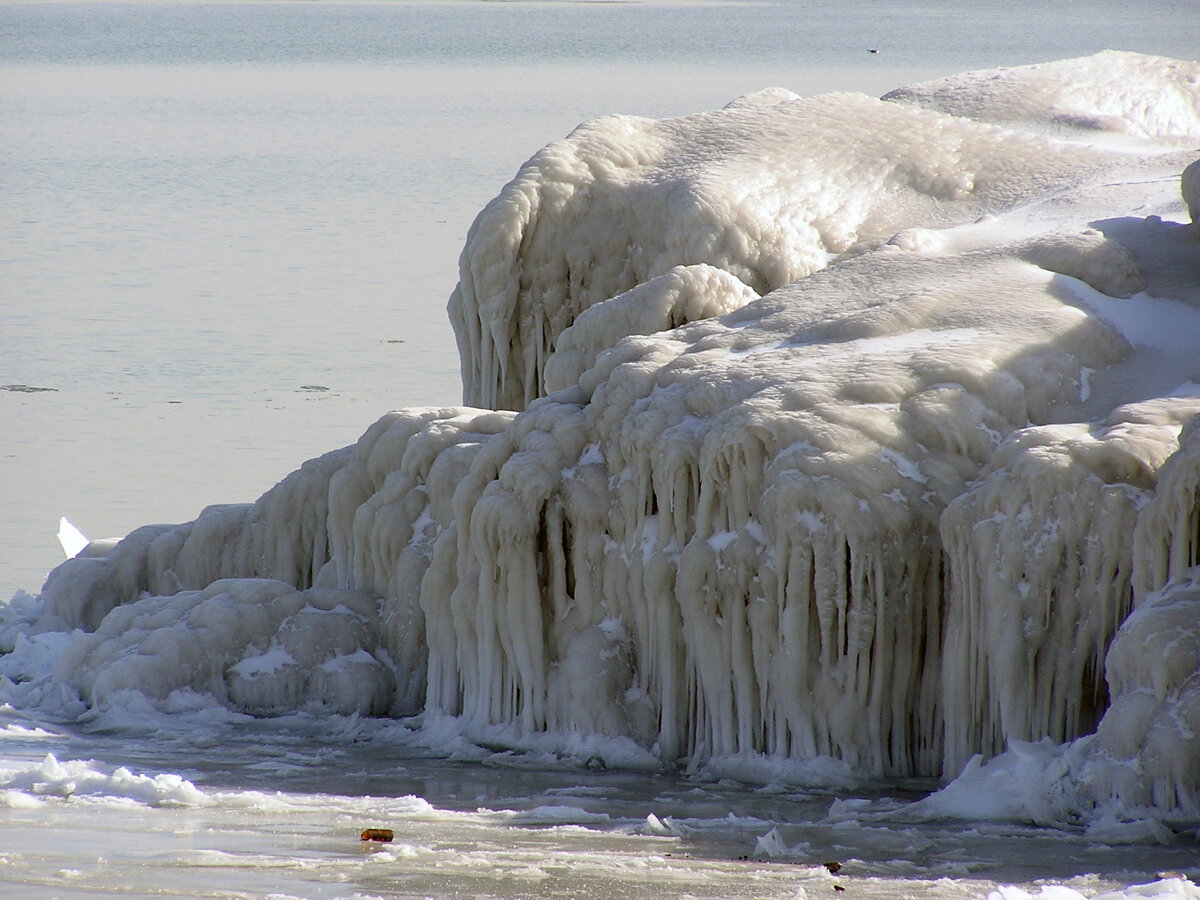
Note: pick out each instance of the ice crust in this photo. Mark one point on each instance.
(830, 439)
(1114, 91)
(31, 787)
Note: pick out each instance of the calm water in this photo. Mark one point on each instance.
(228, 230)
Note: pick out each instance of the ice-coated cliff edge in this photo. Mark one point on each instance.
(848, 427)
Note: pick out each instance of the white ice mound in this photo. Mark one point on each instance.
(767, 191)
(34, 785)
(1119, 92)
(261, 646)
(893, 511)
(1151, 733)
(684, 294)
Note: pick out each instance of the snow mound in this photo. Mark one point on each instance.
(261, 646)
(32, 786)
(896, 513)
(623, 200)
(1151, 732)
(1105, 265)
(1166, 889)
(684, 294)
(1114, 91)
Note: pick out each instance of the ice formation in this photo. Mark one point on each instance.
(70, 538)
(840, 427)
(29, 788)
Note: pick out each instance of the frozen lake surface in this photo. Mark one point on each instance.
(230, 233)
(197, 806)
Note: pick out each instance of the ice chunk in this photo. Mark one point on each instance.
(1152, 729)
(1166, 889)
(70, 538)
(25, 788)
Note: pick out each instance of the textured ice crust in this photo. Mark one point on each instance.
(834, 442)
(32, 786)
(1123, 93)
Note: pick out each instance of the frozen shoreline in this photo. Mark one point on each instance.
(870, 462)
(242, 815)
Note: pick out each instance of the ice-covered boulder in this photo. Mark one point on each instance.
(841, 427)
(259, 645)
(1043, 569)
(1190, 188)
(767, 192)
(1150, 736)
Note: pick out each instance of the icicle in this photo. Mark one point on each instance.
(1150, 738)
(1167, 539)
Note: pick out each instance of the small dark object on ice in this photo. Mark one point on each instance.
(833, 866)
(383, 835)
(838, 888)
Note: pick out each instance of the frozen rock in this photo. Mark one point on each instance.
(1151, 732)
(260, 645)
(842, 428)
